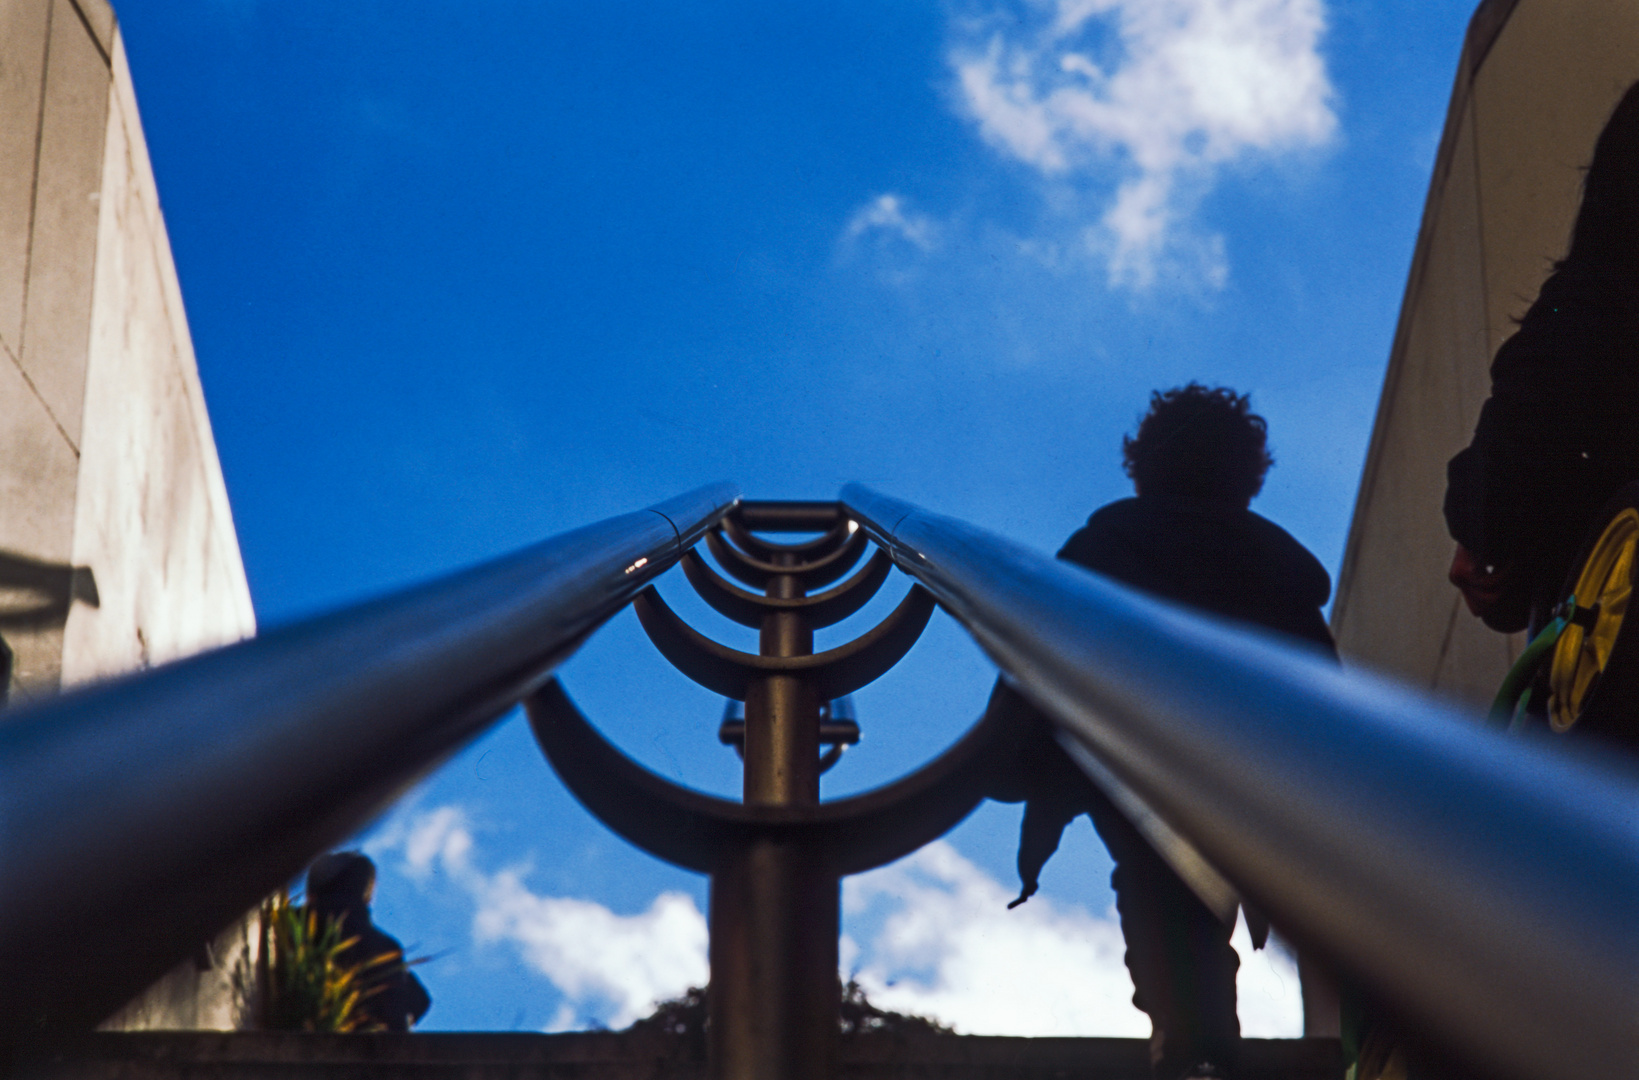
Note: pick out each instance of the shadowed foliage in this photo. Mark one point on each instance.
(309, 987)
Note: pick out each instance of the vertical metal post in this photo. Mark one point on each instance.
(774, 925)
(775, 908)
(782, 712)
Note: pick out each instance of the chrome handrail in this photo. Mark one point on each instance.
(1487, 887)
(140, 816)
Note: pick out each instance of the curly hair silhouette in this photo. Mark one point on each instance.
(1199, 441)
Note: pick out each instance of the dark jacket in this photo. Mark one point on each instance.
(393, 997)
(1560, 432)
(1209, 555)
(1214, 556)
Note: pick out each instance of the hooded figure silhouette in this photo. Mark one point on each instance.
(1198, 459)
(340, 886)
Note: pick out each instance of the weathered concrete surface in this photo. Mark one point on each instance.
(54, 90)
(23, 37)
(621, 1056)
(216, 990)
(1535, 85)
(117, 547)
(62, 243)
(151, 517)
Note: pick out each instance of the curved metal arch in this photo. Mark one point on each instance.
(693, 830)
(872, 829)
(822, 609)
(824, 544)
(812, 575)
(680, 825)
(834, 673)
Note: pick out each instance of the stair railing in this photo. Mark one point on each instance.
(1488, 887)
(1485, 886)
(137, 811)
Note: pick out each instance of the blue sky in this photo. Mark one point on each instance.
(464, 276)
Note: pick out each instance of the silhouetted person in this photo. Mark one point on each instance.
(1557, 438)
(341, 886)
(1560, 433)
(1196, 462)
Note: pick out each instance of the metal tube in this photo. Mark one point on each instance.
(775, 905)
(775, 918)
(143, 815)
(782, 713)
(782, 741)
(1486, 887)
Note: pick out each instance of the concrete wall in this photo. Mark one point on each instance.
(151, 512)
(1535, 85)
(117, 547)
(54, 93)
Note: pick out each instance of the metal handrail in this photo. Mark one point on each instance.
(1487, 887)
(140, 816)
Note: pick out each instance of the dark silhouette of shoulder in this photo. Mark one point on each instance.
(339, 888)
(395, 998)
(1208, 554)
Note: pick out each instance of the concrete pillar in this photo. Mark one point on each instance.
(117, 546)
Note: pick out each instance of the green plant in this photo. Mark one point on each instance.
(310, 986)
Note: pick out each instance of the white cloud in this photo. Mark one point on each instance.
(611, 969)
(438, 837)
(949, 948)
(941, 943)
(1269, 997)
(591, 954)
(888, 215)
(1159, 93)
